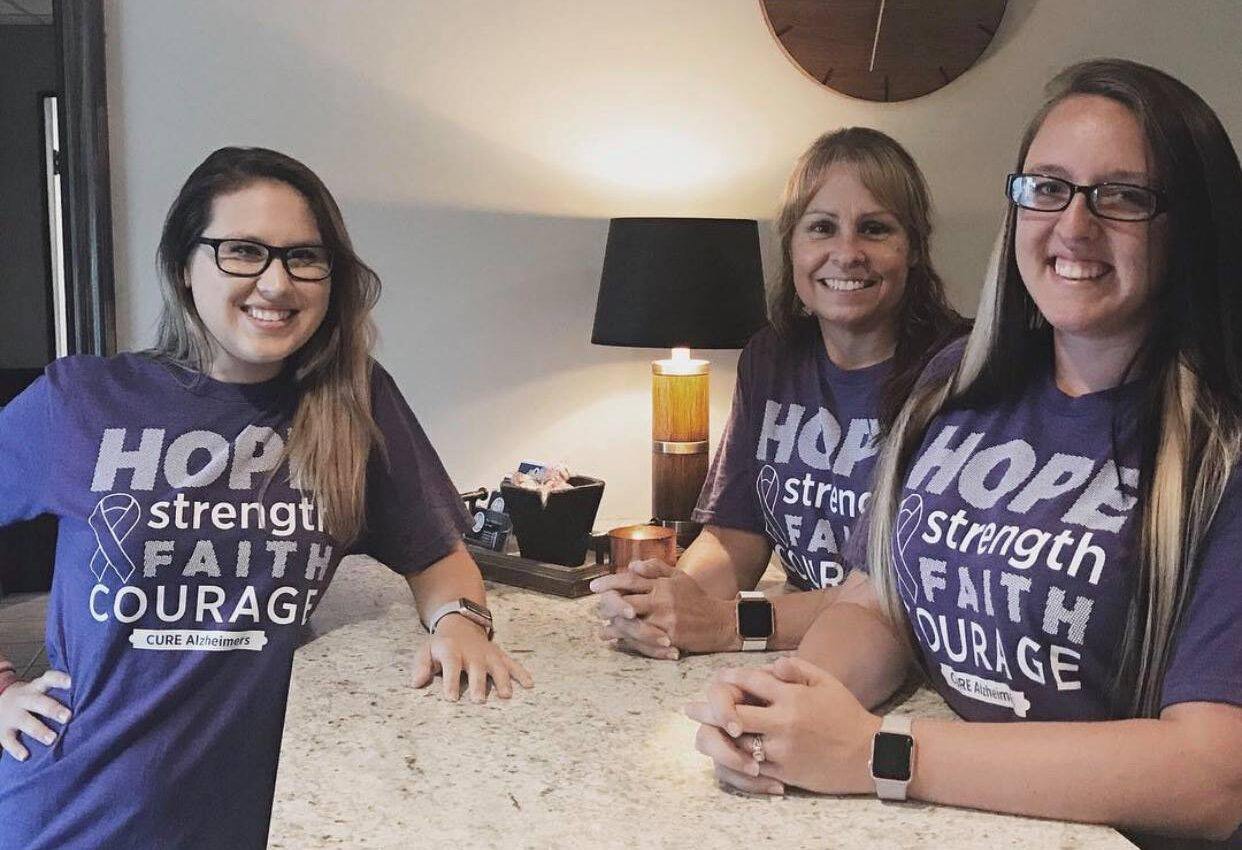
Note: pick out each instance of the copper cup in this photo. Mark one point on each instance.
(641, 542)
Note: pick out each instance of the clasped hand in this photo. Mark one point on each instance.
(815, 733)
(651, 608)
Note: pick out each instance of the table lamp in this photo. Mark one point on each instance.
(679, 283)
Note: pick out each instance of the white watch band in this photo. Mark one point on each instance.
(894, 789)
(456, 607)
(753, 644)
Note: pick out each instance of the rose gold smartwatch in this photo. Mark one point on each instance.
(472, 611)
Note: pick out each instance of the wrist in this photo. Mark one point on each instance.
(456, 624)
(862, 761)
(728, 638)
(465, 608)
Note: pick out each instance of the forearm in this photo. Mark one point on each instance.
(448, 579)
(795, 613)
(1152, 775)
(792, 613)
(856, 645)
(723, 561)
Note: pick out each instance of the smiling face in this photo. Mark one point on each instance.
(1092, 278)
(254, 324)
(850, 256)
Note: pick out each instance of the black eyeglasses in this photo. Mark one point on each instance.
(246, 258)
(1117, 201)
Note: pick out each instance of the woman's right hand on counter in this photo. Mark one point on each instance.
(21, 705)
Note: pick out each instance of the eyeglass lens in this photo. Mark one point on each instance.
(309, 262)
(1110, 200)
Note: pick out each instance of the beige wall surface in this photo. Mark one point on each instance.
(479, 147)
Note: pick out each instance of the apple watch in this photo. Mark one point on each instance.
(892, 757)
(472, 611)
(756, 621)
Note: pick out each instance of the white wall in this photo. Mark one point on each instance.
(479, 147)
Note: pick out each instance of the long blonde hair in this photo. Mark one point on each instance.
(1191, 364)
(333, 430)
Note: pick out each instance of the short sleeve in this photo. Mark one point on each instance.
(26, 454)
(1207, 653)
(728, 494)
(414, 515)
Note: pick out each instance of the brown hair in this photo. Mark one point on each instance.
(333, 430)
(925, 321)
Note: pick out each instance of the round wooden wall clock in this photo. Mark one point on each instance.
(884, 49)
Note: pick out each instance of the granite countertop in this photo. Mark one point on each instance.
(599, 754)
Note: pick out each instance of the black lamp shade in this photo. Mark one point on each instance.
(668, 282)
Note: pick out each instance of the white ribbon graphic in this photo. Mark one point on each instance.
(909, 518)
(768, 485)
(112, 520)
(985, 690)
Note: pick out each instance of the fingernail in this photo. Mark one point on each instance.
(629, 613)
(592, 585)
(22, 757)
(674, 654)
(63, 717)
(733, 728)
(665, 642)
(49, 739)
(753, 768)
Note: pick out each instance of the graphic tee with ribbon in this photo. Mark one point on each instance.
(1016, 544)
(186, 567)
(797, 453)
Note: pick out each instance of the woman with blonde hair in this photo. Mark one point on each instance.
(856, 309)
(1057, 517)
(206, 491)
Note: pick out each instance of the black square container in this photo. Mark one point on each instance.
(560, 531)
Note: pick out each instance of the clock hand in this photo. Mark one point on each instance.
(876, 41)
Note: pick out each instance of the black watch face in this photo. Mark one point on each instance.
(890, 756)
(754, 618)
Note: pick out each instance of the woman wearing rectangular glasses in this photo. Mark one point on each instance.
(1056, 521)
(206, 492)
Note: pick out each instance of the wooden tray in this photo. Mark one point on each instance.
(513, 569)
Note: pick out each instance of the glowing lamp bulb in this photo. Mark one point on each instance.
(681, 363)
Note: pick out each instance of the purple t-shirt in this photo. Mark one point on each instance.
(179, 592)
(797, 453)
(1015, 546)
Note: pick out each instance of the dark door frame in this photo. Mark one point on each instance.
(85, 182)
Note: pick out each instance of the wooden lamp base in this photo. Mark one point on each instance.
(679, 441)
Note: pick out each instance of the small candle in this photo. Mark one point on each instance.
(640, 543)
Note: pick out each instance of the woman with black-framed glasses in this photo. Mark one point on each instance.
(248, 258)
(1056, 519)
(206, 491)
